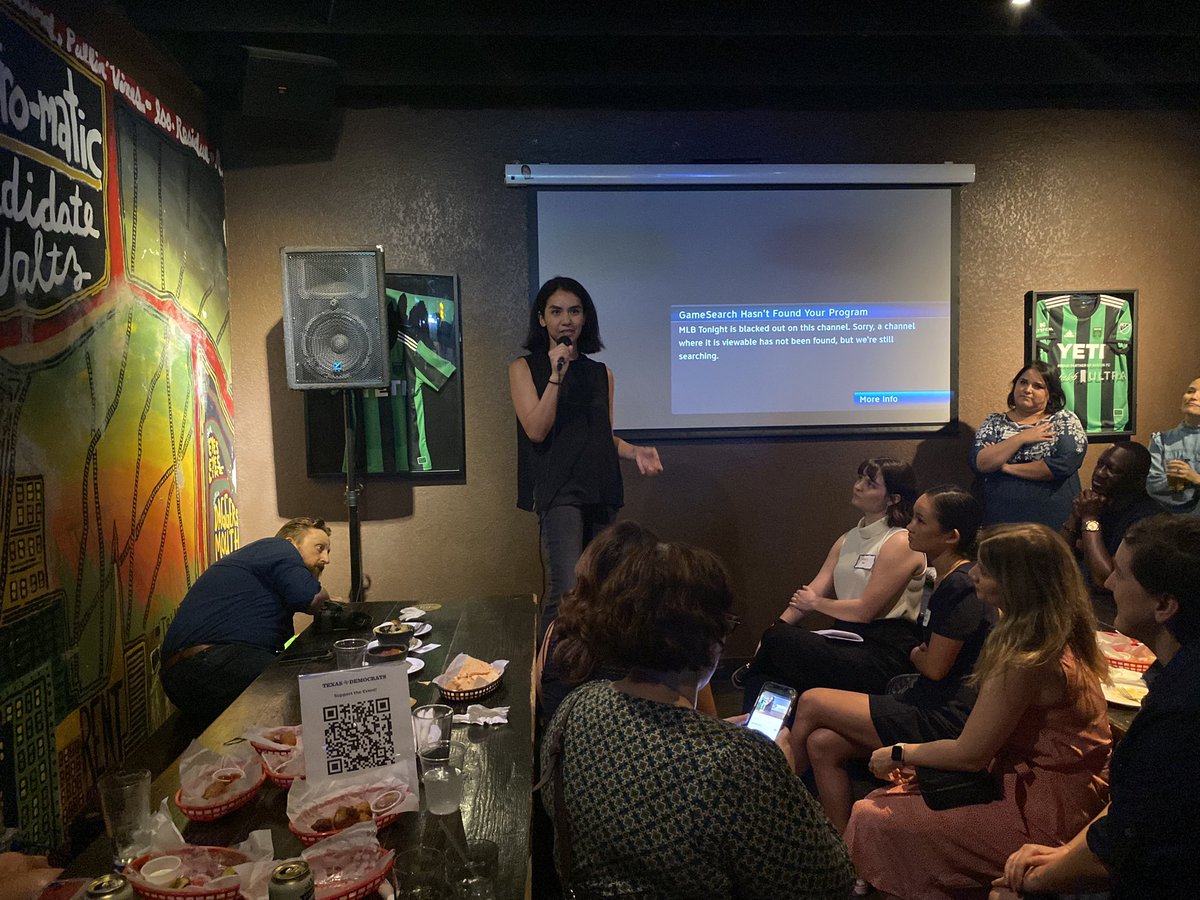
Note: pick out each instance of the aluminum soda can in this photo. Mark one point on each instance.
(110, 887)
(291, 881)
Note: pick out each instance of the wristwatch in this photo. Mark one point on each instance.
(1091, 524)
(897, 753)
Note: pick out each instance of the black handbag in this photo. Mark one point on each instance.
(943, 789)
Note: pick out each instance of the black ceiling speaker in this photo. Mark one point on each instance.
(334, 317)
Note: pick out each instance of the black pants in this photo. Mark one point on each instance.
(799, 658)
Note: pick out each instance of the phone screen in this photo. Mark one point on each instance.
(770, 712)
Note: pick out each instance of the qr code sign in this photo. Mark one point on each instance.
(358, 736)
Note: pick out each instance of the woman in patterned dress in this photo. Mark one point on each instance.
(1040, 725)
(1029, 456)
(651, 798)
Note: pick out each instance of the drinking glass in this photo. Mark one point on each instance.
(421, 875)
(431, 723)
(350, 653)
(471, 870)
(442, 775)
(125, 804)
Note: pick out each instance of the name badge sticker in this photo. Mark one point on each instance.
(865, 561)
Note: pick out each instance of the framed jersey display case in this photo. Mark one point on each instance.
(1090, 337)
(414, 428)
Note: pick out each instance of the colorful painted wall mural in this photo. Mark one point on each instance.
(117, 476)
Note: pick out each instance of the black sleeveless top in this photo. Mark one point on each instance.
(576, 464)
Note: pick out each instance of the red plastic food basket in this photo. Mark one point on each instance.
(212, 813)
(365, 886)
(1132, 665)
(228, 857)
(280, 779)
(308, 838)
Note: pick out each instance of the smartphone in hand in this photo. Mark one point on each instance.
(772, 709)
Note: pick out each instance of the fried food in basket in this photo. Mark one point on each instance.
(474, 674)
(283, 737)
(344, 816)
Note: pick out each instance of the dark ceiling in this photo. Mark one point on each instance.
(944, 54)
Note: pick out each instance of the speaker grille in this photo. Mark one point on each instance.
(334, 318)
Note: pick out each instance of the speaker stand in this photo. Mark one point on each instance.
(350, 403)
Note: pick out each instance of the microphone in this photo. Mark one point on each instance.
(566, 341)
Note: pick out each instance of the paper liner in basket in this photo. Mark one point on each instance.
(456, 664)
(205, 867)
(199, 768)
(275, 737)
(350, 862)
(284, 768)
(312, 800)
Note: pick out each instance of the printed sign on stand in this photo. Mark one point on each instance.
(357, 720)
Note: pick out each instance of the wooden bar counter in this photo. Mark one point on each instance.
(500, 758)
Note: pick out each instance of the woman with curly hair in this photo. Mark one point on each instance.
(1040, 727)
(566, 660)
(651, 798)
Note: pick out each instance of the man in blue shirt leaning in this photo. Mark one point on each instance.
(237, 616)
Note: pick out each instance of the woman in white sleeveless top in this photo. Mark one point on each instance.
(871, 584)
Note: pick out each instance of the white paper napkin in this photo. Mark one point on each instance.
(477, 714)
(425, 648)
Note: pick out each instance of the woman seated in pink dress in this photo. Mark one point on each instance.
(1040, 726)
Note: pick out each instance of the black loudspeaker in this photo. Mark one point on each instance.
(334, 317)
(293, 86)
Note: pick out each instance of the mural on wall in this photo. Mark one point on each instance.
(117, 477)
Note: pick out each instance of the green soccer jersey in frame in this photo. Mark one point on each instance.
(1090, 338)
(414, 427)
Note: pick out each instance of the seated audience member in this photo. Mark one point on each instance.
(833, 727)
(871, 583)
(237, 616)
(1040, 726)
(1029, 456)
(1147, 842)
(566, 660)
(1103, 514)
(1175, 459)
(651, 798)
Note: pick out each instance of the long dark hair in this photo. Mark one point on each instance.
(955, 508)
(538, 341)
(1055, 398)
(899, 479)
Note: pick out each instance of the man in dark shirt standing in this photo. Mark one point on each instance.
(238, 615)
(1146, 843)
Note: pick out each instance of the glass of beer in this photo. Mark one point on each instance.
(1174, 482)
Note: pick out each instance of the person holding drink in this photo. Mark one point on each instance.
(1174, 457)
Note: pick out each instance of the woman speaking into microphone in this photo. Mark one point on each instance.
(567, 469)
